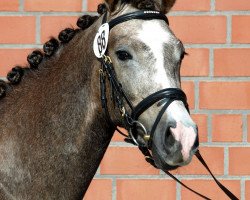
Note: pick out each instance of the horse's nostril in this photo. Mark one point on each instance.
(168, 132)
(168, 139)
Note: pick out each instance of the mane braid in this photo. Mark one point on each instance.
(49, 49)
(3, 88)
(35, 58)
(15, 75)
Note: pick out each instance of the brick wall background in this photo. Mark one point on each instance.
(216, 78)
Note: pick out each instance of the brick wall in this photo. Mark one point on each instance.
(216, 79)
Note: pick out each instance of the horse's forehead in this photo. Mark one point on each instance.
(154, 34)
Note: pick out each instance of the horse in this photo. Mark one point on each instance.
(58, 115)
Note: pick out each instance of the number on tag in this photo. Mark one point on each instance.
(101, 40)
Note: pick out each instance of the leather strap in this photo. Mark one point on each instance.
(168, 93)
(222, 187)
(150, 160)
(145, 15)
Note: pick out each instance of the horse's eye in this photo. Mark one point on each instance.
(123, 55)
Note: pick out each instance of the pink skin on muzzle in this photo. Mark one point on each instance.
(186, 136)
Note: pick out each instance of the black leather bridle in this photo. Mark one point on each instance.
(119, 97)
(165, 96)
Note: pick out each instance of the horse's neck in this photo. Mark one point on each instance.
(56, 127)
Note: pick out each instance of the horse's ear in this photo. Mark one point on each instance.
(112, 4)
(162, 5)
(167, 5)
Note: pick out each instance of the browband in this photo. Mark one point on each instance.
(145, 15)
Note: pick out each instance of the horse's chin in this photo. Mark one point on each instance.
(164, 159)
(161, 162)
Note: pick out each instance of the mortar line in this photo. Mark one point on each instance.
(114, 189)
(229, 29)
(19, 46)
(209, 128)
(244, 128)
(196, 95)
(228, 144)
(31, 13)
(211, 62)
(208, 13)
(84, 5)
(215, 79)
(38, 29)
(178, 191)
(21, 5)
(3, 78)
(216, 46)
(212, 5)
(242, 189)
(179, 176)
(226, 161)
(98, 171)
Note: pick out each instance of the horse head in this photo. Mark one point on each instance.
(147, 57)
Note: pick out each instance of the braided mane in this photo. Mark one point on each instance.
(34, 59)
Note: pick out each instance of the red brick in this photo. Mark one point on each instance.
(239, 161)
(231, 62)
(196, 63)
(201, 121)
(99, 189)
(145, 189)
(199, 29)
(117, 137)
(52, 25)
(12, 57)
(210, 189)
(224, 95)
(9, 5)
(17, 30)
(125, 160)
(192, 5)
(247, 189)
(188, 88)
(214, 157)
(92, 5)
(232, 5)
(227, 128)
(240, 29)
(53, 5)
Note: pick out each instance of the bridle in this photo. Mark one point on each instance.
(118, 96)
(163, 97)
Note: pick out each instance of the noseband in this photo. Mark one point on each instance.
(165, 97)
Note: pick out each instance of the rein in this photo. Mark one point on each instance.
(118, 96)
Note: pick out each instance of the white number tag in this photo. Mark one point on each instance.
(101, 40)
